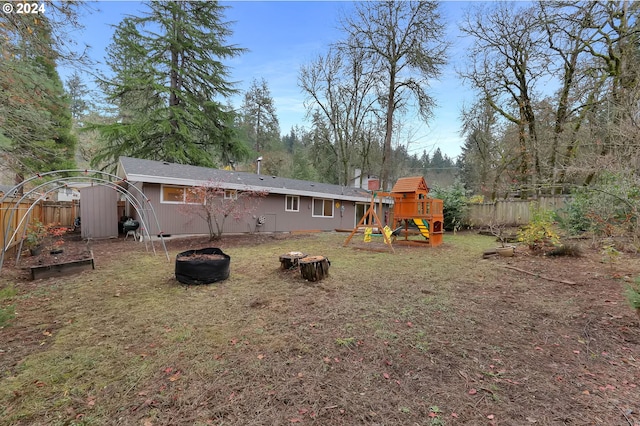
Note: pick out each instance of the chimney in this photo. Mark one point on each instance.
(356, 178)
(373, 184)
(259, 160)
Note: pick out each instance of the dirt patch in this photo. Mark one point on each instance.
(70, 252)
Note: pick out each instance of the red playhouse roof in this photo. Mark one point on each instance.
(410, 184)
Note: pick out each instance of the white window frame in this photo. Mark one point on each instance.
(184, 192)
(295, 199)
(230, 194)
(365, 207)
(324, 201)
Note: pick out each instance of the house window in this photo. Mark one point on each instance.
(292, 203)
(361, 209)
(230, 194)
(173, 194)
(195, 195)
(322, 207)
(181, 195)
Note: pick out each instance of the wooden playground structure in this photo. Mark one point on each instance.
(414, 213)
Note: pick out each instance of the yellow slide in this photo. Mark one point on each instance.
(423, 226)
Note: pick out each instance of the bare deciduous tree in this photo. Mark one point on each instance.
(403, 42)
(507, 62)
(341, 94)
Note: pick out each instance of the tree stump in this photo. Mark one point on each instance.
(290, 260)
(314, 268)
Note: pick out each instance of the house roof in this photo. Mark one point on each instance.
(4, 189)
(149, 171)
(410, 184)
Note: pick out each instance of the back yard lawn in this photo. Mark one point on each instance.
(425, 336)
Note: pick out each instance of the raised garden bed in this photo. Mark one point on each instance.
(74, 256)
(62, 268)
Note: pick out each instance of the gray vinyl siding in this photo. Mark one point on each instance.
(172, 218)
(175, 220)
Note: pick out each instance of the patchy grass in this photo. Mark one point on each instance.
(424, 336)
(7, 311)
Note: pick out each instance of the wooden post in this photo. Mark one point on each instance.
(290, 260)
(372, 219)
(314, 268)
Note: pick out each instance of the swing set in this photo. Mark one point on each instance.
(414, 213)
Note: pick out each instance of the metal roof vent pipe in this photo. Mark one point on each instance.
(259, 160)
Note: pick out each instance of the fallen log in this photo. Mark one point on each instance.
(506, 251)
(489, 254)
(557, 280)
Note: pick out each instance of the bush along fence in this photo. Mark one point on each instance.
(510, 212)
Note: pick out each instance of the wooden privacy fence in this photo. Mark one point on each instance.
(510, 212)
(61, 213)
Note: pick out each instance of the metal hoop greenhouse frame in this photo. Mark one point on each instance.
(48, 186)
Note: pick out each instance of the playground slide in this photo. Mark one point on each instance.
(423, 226)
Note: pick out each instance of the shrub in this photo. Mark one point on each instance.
(36, 232)
(608, 207)
(455, 205)
(539, 233)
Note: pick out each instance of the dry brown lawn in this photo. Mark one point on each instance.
(425, 336)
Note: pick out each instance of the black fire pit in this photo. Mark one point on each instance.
(202, 266)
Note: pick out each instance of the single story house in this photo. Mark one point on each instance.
(291, 205)
(5, 190)
(69, 192)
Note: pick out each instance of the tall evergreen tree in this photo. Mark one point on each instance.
(289, 141)
(168, 81)
(77, 92)
(35, 119)
(259, 115)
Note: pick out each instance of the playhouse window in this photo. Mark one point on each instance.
(230, 194)
(292, 203)
(322, 207)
